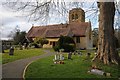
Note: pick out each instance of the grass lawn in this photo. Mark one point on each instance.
(20, 54)
(76, 68)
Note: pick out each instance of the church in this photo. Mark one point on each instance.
(77, 28)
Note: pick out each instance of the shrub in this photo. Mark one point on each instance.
(56, 48)
(68, 48)
(66, 43)
(41, 41)
(35, 45)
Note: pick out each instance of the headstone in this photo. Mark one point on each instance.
(57, 56)
(61, 54)
(88, 55)
(75, 52)
(79, 53)
(3, 49)
(61, 50)
(25, 45)
(61, 57)
(96, 71)
(69, 55)
(11, 52)
(99, 72)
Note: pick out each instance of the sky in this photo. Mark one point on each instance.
(9, 20)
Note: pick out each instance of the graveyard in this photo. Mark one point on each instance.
(76, 66)
(61, 65)
(20, 54)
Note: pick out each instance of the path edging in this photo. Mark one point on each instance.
(23, 75)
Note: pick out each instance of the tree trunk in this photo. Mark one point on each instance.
(107, 52)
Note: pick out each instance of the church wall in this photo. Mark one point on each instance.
(82, 44)
(76, 15)
(50, 43)
(85, 42)
(89, 41)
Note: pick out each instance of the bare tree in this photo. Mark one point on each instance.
(42, 11)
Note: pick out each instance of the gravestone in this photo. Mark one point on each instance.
(11, 52)
(61, 57)
(88, 55)
(96, 71)
(69, 55)
(79, 53)
(57, 56)
(61, 54)
(25, 45)
(75, 52)
(3, 49)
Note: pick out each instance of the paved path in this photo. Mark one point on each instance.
(15, 69)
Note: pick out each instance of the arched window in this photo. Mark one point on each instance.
(76, 16)
(72, 16)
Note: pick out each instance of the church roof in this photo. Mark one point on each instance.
(77, 28)
(56, 32)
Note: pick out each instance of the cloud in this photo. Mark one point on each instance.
(9, 20)
(8, 28)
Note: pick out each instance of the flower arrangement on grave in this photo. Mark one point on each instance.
(59, 57)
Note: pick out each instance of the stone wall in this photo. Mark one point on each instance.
(76, 15)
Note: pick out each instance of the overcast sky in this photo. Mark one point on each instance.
(9, 20)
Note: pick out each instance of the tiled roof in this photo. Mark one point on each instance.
(77, 28)
(36, 32)
(56, 32)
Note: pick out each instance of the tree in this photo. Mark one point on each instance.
(107, 52)
(66, 43)
(41, 11)
(117, 34)
(19, 37)
(95, 37)
(41, 41)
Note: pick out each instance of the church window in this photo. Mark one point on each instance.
(51, 42)
(76, 16)
(72, 16)
(77, 39)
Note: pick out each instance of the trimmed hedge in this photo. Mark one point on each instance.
(66, 43)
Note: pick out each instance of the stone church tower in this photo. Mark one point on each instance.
(76, 15)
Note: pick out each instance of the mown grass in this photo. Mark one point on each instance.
(20, 54)
(75, 68)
